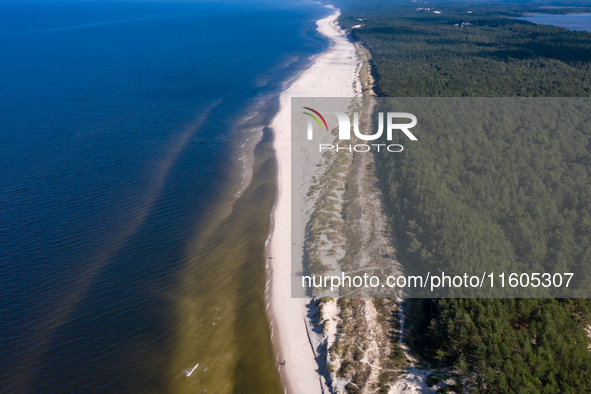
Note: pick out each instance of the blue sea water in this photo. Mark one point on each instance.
(127, 137)
(569, 21)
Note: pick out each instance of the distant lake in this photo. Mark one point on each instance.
(569, 21)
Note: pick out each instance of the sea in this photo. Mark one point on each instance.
(136, 186)
(569, 21)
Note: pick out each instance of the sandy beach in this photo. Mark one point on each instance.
(333, 74)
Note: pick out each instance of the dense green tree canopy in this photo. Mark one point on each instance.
(524, 198)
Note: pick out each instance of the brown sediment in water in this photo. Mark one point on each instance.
(221, 320)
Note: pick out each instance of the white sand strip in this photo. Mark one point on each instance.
(331, 75)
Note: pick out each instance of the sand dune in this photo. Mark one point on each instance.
(333, 74)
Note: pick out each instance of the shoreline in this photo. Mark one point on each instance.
(288, 316)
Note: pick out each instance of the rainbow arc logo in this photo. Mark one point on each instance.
(315, 118)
